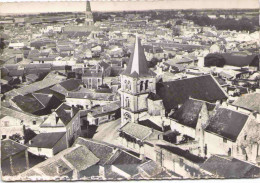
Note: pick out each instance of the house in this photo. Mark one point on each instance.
(48, 144)
(104, 113)
(86, 99)
(89, 159)
(36, 103)
(248, 102)
(66, 86)
(93, 77)
(190, 119)
(219, 166)
(63, 119)
(133, 136)
(14, 158)
(183, 163)
(10, 126)
(227, 131)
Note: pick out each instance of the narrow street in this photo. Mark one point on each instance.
(107, 132)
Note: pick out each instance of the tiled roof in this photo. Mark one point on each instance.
(28, 103)
(64, 115)
(150, 168)
(228, 167)
(180, 152)
(188, 113)
(201, 87)
(46, 140)
(9, 148)
(227, 123)
(138, 131)
(81, 158)
(105, 109)
(150, 124)
(100, 150)
(249, 101)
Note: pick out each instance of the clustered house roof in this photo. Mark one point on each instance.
(229, 167)
(227, 123)
(137, 65)
(177, 92)
(249, 101)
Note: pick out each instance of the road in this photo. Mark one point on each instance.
(107, 132)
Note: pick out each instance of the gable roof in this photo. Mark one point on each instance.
(150, 124)
(227, 123)
(46, 140)
(138, 131)
(9, 148)
(100, 150)
(137, 65)
(28, 103)
(228, 167)
(183, 153)
(249, 101)
(188, 113)
(177, 92)
(64, 115)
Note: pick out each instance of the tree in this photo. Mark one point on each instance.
(176, 31)
(16, 137)
(214, 59)
(178, 22)
(168, 25)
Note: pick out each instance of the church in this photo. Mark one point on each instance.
(142, 96)
(87, 29)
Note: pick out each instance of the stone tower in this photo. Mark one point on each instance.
(88, 15)
(137, 81)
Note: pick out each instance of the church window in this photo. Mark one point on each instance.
(141, 85)
(146, 84)
(129, 85)
(127, 102)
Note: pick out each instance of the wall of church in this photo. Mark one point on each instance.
(154, 107)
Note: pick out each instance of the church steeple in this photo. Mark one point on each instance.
(137, 65)
(88, 7)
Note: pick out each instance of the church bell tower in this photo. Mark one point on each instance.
(137, 81)
(88, 15)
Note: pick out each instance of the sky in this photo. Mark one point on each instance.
(34, 6)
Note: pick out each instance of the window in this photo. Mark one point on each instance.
(146, 84)
(34, 122)
(224, 140)
(129, 85)
(96, 121)
(39, 149)
(3, 137)
(141, 85)
(245, 137)
(127, 102)
(181, 162)
(229, 152)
